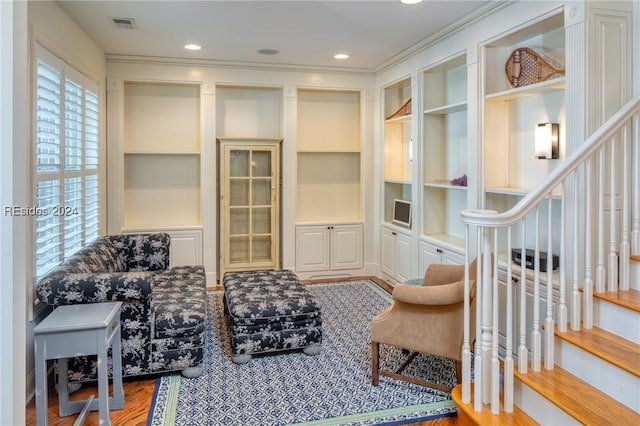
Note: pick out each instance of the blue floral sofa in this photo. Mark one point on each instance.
(163, 311)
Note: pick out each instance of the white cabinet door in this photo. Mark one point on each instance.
(346, 247)
(329, 247)
(312, 248)
(403, 257)
(388, 251)
(431, 253)
(186, 247)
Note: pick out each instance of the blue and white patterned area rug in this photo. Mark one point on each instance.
(332, 388)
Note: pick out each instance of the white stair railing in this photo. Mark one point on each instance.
(566, 212)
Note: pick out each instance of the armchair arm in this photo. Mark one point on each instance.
(65, 288)
(446, 294)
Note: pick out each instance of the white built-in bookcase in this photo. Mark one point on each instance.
(444, 150)
(511, 115)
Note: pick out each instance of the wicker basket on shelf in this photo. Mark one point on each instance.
(405, 109)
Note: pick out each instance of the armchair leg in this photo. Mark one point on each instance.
(375, 356)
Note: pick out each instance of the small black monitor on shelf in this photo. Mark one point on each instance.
(402, 212)
(529, 259)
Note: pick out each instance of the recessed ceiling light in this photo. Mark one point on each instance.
(410, 1)
(193, 47)
(341, 56)
(268, 51)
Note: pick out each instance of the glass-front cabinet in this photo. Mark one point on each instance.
(249, 204)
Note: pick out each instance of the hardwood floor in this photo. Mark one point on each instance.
(138, 395)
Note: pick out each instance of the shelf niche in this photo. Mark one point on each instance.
(328, 155)
(445, 148)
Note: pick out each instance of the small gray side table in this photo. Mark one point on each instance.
(76, 330)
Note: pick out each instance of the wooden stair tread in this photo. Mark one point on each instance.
(577, 398)
(614, 349)
(629, 299)
(467, 415)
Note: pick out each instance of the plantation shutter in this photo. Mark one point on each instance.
(66, 192)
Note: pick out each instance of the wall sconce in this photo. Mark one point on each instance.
(547, 141)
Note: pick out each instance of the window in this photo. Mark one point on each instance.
(66, 161)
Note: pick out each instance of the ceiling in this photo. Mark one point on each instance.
(305, 33)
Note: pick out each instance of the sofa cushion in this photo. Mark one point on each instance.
(143, 252)
(179, 297)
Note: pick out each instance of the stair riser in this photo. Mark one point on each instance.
(617, 320)
(539, 408)
(600, 374)
(634, 275)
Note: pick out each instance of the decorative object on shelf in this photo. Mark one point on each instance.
(459, 181)
(404, 110)
(525, 67)
(402, 213)
(547, 141)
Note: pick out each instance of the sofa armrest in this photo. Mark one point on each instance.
(75, 288)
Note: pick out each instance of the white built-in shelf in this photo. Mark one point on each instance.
(518, 192)
(161, 153)
(447, 109)
(329, 151)
(444, 185)
(401, 119)
(398, 182)
(550, 85)
(447, 240)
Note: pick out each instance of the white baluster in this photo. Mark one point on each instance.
(575, 290)
(466, 343)
(562, 306)
(612, 279)
(588, 281)
(535, 332)
(477, 361)
(487, 316)
(507, 376)
(625, 248)
(549, 324)
(495, 360)
(635, 224)
(523, 353)
(601, 272)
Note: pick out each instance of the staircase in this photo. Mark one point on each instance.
(592, 332)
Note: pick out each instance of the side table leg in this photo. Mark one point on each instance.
(103, 379)
(64, 407)
(116, 356)
(42, 403)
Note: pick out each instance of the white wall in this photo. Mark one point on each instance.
(13, 123)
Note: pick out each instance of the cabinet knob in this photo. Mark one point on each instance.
(439, 251)
(393, 233)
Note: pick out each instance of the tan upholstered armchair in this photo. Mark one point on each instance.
(427, 318)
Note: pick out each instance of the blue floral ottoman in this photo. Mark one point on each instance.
(270, 311)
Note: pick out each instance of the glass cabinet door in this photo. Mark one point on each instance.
(249, 203)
